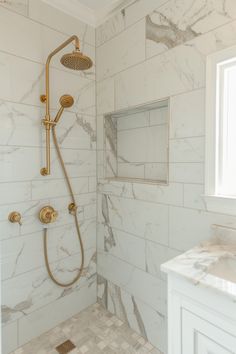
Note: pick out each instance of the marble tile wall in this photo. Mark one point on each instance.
(142, 225)
(31, 303)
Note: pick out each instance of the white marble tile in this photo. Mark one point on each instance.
(77, 131)
(170, 194)
(30, 291)
(25, 253)
(121, 213)
(179, 70)
(129, 278)
(187, 172)
(9, 337)
(187, 149)
(19, 6)
(121, 52)
(143, 319)
(21, 124)
(131, 170)
(159, 116)
(57, 188)
(142, 145)
(23, 82)
(157, 172)
(177, 22)
(122, 245)
(105, 96)
(35, 41)
(140, 9)
(187, 114)
(19, 192)
(157, 254)
(189, 227)
(54, 18)
(110, 28)
(49, 316)
(194, 196)
(132, 121)
(22, 163)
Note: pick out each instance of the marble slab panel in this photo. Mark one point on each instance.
(121, 52)
(35, 41)
(187, 114)
(139, 316)
(60, 21)
(121, 213)
(194, 196)
(177, 22)
(187, 150)
(9, 337)
(60, 310)
(192, 172)
(129, 278)
(30, 291)
(122, 245)
(23, 82)
(57, 188)
(19, 6)
(189, 227)
(177, 71)
(170, 194)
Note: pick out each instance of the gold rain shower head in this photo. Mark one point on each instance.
(76, 61)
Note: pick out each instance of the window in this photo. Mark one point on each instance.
(221, 132)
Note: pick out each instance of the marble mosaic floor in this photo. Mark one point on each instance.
(92, 331)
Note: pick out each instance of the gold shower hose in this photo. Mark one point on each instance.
(64, 285)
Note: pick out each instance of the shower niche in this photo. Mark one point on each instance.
(137, 143)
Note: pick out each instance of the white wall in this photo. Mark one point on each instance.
(31, 303)
(152, 50)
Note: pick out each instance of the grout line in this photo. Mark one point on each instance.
(29, 18)
(42, 267)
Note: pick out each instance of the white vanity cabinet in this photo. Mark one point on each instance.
(200, 320)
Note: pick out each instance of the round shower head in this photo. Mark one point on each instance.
(66, 101)
(76, 61)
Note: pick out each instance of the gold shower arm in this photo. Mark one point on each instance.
(46, 99)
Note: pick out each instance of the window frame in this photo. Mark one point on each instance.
(214, 201)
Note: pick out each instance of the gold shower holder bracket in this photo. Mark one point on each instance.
(72, 207)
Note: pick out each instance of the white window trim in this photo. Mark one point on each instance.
(215, 203)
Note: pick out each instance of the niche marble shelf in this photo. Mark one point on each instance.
(136, 143)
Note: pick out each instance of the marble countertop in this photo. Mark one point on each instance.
(212, 264)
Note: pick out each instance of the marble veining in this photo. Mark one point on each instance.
(209, 264)
(178, 21)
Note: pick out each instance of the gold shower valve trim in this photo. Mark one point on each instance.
(48, 215)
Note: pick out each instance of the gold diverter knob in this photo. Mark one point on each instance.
(14, 217)
(48, 214)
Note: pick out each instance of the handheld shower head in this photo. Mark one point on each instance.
(66, 101)
(76, 61)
